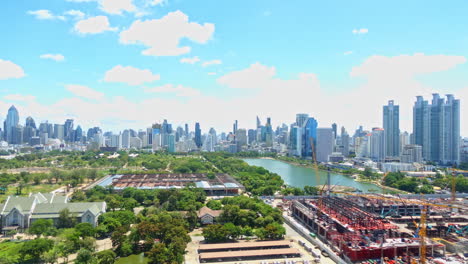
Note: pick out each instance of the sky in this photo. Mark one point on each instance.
(123, 64)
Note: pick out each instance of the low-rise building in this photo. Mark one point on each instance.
(23, 211)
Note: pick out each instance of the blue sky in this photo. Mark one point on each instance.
(339, 61)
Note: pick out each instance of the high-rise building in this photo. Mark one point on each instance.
(251, 135)
(241, 138)
(186, 130)
(301, 119)
(78, 134)
(198, 139)
(451, 131)
(309, 137)
(436, 128)
(378, 145)
(325, 140)
(11, 122)
(411, 153)
(391, 125)
(59, 131)
(30, 122)
(259, 124)
(404, 140)
(421, 125)
(335, 130)
(234, 127)
(68, 127)
(344, 142)
(126, 139)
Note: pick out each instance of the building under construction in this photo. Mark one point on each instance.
(356, 234)
(214, 185)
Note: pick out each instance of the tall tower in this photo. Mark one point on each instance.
(198, 139)
(68, 129)
(451, 131)
(391, 125)
(421, 126)
(11, 123)
(301, 119)
(335, 130)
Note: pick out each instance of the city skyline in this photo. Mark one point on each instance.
(90, 63)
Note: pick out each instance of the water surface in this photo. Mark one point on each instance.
(298, 176)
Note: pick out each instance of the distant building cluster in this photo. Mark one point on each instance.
(435, 137)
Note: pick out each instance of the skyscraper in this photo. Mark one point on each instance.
(436, 128)
(421, 125)
(11, 123)
(259, 124)
(324, 143)
(335, 130)
(234, 127)
(309, 136)
(378, 145)
(68, 127)
(198, 139)
(186, 130)
(301, 119)
(451, 132)
(391, 125)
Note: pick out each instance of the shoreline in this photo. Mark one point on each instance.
(383, 187)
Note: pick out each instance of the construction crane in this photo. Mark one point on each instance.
(421, 230)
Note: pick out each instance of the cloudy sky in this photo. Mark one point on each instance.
(129, 63)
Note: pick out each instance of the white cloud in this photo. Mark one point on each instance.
(116, 7)
(84, 91)
(211, 62)
(212, 73)
(405, 65)
(192, 60)
(393, 78)
(93, 25)
(9, 70)
(130, 75)
(77, 14)
(162, 36)
(360, 31)
(256, 76)
(178, 90)
(44, 14)
(348, 53)
(55, 57)
(19, 97)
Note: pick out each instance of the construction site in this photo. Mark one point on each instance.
(381, 228)
(361, 228)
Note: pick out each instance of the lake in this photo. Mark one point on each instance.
(299, 176)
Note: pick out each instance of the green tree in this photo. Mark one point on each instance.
(215, 233)
(65, 219)
(106, 257)
(35, 248)
(311, 190)
(40, 227)
(160, 254)
(214, 204)
(85, 230)
(85, 256)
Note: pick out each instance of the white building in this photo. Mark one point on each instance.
(325, 139)
(377, 145)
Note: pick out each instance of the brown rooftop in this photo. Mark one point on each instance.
(222, 246)
(205, 210)
(249, 253)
